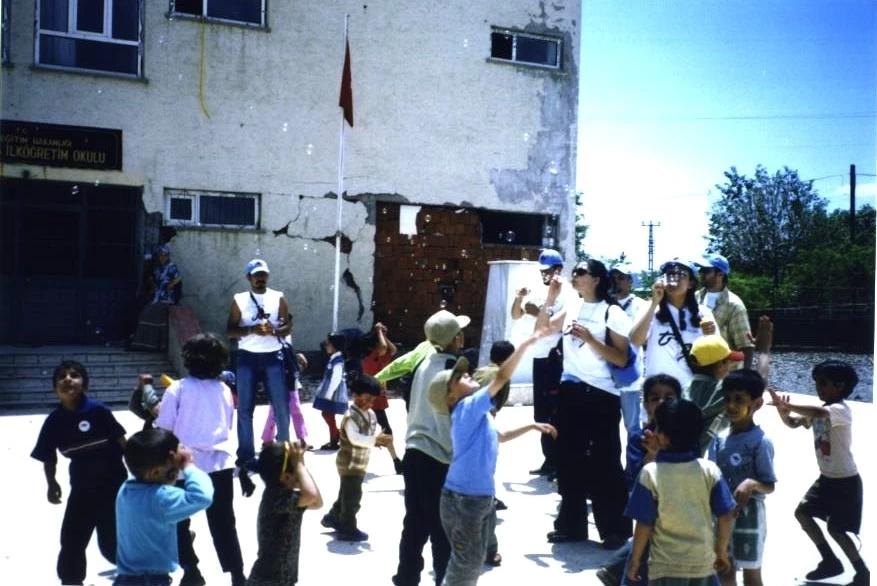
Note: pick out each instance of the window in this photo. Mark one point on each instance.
(246, 12)
(90, 35)
(525, 48)
(211, 208)
(4, 31)
(511, 229)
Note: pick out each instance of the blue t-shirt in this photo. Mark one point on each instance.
(146, 521)
(88, 436)
(748, 454)
(473, 436)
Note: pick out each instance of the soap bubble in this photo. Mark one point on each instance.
(306, 245)
(388, 240)
(427, 219)
(552, 168)
(100, 90)
(180, 76)
(161, 40)
(97, 182)
(464, 254)
(285, 127)
(384, 210)
(258, 252)
(465, 43)
(309, 148)
(443, 304)
(74, 190)
(509, 236)
(526, 137)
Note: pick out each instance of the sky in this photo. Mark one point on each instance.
(672, 94)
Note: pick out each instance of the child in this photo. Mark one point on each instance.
(86, 432)
(199, 410)
(149, 507)
(357, 437)
(298, 420)
(379, 356)
(289, 490)
(641, 449)
(144, 401)
(745, 457)
(467, 498)
(332, 396)
(674, 501)
(711, 362)
(836, 496)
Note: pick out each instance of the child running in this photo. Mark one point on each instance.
(332, 395)
(673, 503)
(86, 432)
(357, 437)
(149, 507)
(836, 496)
(289, 491)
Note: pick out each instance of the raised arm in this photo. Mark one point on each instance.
(504, 374)
(640, 330)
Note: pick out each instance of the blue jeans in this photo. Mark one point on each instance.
(466, 521)
(252, 368)
(631, 410)
(142, 580)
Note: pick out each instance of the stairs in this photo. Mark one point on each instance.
(26, 373)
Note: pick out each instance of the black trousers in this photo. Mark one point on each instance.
(222, 524)
(344, 510)
(87, 509)
(589, 461)
(546, 379)
(424, 478)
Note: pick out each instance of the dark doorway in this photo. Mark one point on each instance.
(69, 261)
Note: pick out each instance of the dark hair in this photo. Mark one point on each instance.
(271, 463)
(73, 365)
(204, 356)
(598, 270)
(682, 422)
(338, 340)
(500, 351)
(691, 304)
(746, 380)
(837, 371)
(365, 384)
(661, 379)
(149, 448)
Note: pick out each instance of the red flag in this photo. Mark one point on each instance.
(346, 99)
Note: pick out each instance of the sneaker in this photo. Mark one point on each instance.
(327, 521)
(826, 569)
(397, 465)
(330, 446)
(862, 578)
(500, 506)
(607, 577)
(558, 536)
(494, 560)
(544, 470)
(355, 535)
(613, 542)
(192, 577)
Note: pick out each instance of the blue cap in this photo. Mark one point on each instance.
(716, 261)
(163, 249)
(550, 259)
(692, 268)
(624, 269)
(257, 265)
(228, 377)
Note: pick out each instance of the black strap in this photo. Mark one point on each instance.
(678, 336)
(262, 314)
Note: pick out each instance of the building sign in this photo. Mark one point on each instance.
(54, 145)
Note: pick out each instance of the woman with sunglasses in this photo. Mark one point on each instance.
(588, 450)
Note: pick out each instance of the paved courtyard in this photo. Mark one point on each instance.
(29, 538)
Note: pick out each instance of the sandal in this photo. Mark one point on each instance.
(494, 560)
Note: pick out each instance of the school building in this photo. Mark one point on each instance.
(214, 126)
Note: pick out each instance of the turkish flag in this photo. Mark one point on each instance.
(346, 99)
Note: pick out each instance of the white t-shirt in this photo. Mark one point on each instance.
(633, 306)
(580, 361)
(270, 303)
(537, 297)
(833, 439)
(663, 354)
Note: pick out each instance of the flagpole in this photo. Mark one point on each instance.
(337, 281)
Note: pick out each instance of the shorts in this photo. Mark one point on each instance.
(746, 547)
(711, 580)
(837, 501)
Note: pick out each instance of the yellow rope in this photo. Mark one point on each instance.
(201, 73)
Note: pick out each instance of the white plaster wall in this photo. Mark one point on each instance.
(435, 123)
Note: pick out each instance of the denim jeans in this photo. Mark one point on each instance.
(142, 580)
(252, 368)
(632, 410)
(466, 520)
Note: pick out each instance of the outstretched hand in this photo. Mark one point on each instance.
(546, 429)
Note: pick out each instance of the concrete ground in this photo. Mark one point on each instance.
(29, 538)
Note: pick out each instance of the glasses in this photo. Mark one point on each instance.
(580, 272)
(568, 330)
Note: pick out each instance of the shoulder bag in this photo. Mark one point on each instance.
(622, 376)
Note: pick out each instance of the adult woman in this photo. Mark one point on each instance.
(164, 289)
(673, 302)
(588, 450)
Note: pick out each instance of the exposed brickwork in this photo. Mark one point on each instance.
(445, 260)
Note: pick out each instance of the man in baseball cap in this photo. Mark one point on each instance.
(728, 309)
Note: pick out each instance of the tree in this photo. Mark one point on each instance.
(761, 223)
(581, 229)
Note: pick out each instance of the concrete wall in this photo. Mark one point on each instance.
(436, 122)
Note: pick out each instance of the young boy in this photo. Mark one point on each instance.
(641, 449)
(356, 440)
(467, 497)
(711, 362)
(674, 502)
(836, 496)
(745, 457)
(86, 432)
(149, 507)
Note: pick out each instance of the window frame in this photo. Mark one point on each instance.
(173, 14)
(195, 197)
(515, 34)
(491, 219)
(5, 57)
(104, 37)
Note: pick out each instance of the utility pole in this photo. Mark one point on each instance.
(652, 226)
(852, 204)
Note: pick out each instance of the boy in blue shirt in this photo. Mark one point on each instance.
(745, 456)
(468, 493)
(149, 507)
(86, 432)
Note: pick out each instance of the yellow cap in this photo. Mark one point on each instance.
(166, 380)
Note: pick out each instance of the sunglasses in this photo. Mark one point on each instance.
(580, 272)
(568, 330)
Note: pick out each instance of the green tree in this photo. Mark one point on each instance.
(761, 223)
(581, 229)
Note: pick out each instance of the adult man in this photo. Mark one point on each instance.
(258, 318)
(428, 455)
(631, 396)
(546, 374)
(728, 309)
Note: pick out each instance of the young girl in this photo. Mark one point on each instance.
(380, 355)
(199, 411)
(298, 420)
(332, 396)
(289, 490)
